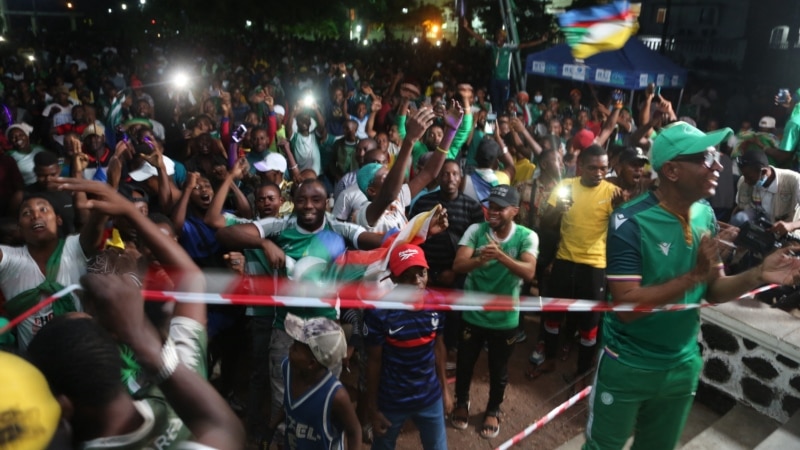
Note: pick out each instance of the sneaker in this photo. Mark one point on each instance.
(537, 357)
(520, 337)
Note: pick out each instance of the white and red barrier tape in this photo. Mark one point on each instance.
(544, 420)
(399, 298)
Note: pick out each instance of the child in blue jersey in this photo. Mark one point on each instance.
(406, 362)
(316, 407)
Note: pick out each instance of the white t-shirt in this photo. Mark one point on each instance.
(25, 164)
(393, 217)
(19, 272)
(306, 152)
(348, 201)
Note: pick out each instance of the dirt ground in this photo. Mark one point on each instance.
(525, 402)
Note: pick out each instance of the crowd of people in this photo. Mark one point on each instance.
(300, 163)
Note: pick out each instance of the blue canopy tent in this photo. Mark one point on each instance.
(632, 67)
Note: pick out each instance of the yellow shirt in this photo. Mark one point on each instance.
(502, 177)
(584, 226)
(525, 170)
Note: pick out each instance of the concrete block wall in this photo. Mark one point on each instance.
(750, 372)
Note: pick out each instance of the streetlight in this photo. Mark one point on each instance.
(142, 2)
(358, 28)
(124, 6)
(109, 10)
(415, 40)
(69, 5)
(248, 23)
(366, 42)
(405, 10)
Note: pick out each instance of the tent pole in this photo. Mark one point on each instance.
(680, 99)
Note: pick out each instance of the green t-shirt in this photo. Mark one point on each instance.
(791, 133)
(495, 278)
(297, 243)
(501, 57)
(648, 244)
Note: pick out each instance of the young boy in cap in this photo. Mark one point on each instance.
(406, 362)
(497, 256)
(316, 408)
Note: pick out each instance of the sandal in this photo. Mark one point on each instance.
(490, 431)
(542, 369)
(460, 421)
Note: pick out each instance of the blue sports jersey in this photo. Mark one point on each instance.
(308, 418)
(408, 379)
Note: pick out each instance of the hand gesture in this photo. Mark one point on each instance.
(235, 262)
(454, 115)
(269, 101)
(439, 222)
(100, 196)
(123, 150)
(376, 104)
(418, 123)
(517, 125)
(466, 92)
(491, 251)
(240, 168)
(80, 161)
(191, 180)
(707, 258)
(155, 159)
(782, 266)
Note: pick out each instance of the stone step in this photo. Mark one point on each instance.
(785, 437)
(742, 428)
(700, 418)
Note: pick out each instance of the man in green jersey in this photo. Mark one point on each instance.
(502, 51)
(660, 251)
(497, 256)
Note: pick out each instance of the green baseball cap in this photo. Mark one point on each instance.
(680, 138)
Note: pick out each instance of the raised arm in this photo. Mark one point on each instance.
(431, 169)
(529, 44)
(119, 306)
(376, 108)
(394, 179)
(608, 128)
(472, 33)
(178, 215)
(214, 217)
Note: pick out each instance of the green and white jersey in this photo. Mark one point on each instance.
(501, 56)
(297, 243)
(162, 428)
(493, 277)
(648, 244)
(232, 219)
